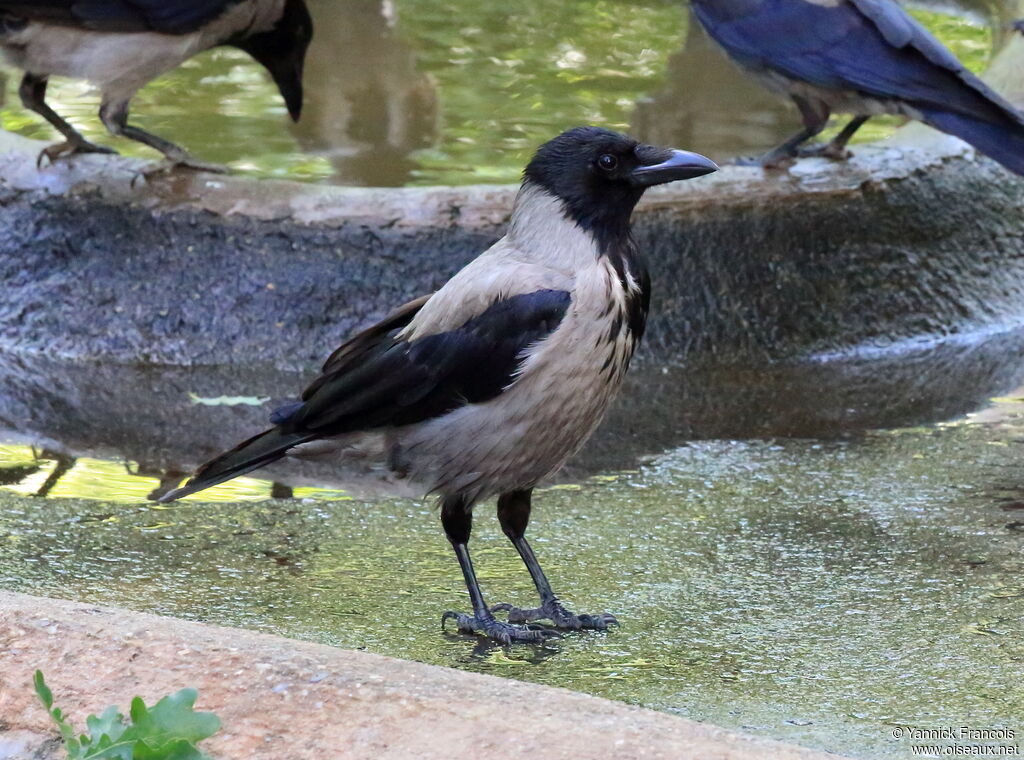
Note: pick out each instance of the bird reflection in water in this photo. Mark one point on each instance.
(367, 106)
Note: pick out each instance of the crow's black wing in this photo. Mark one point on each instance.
(165, 16)
(378, 379)
(353, 350)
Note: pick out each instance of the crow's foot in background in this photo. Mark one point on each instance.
(186, 162)
(171, 166)
(495, 629)
(826, 150)
(769, 161)
(69, 148)
(557, 614)
(196, 165)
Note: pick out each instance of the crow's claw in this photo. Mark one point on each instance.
(69, 148)
(495, 629)
(768, 161)
(170, 166)
(179, 162)
(825, 150)
(199, 166)
(557, 614)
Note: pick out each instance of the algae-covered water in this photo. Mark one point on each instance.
(462, 91)
(826, 592)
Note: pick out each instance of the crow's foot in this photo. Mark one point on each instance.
(70, 148)
(171, 165)
(495, 629)
(199, 166)
(557, 614)
(184, 161)
(826, 150)
(767, 161)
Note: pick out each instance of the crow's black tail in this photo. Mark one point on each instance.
(260, 450)
(1002, 141)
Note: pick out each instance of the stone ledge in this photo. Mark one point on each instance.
(281, 698)
(470, 207)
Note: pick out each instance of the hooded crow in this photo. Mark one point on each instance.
(121, 45)
(490, 384)
(865, 57)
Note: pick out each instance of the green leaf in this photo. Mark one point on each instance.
(104, 735)
(170, 719)
(179, 749)
(110, 724)
(166, 731)
(67, 731)
(43, 691)
(106, 748)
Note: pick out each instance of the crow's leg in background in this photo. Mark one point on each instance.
(836, 147)
(457, 520)
(514, 515)
(815, 116)
(33, 97)
(115, 118)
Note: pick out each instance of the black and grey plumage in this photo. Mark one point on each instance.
(121, 45)
(863, 57)
(490, 384)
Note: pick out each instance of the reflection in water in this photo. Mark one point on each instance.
(62, 466)
(462, 91)
(368, 107)
(28, 471)
(148, 415)
(710, 106)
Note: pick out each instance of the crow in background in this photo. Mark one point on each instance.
(490, 384)
(121, 45)
(865, 57)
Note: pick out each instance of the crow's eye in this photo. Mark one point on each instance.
(607, 162)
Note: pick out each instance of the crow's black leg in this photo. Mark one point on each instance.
(836, 147)
(115, 117)
(815, 116)
(33, 97)
(457, 519)
(514, 515)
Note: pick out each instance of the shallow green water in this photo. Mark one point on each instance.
(462, 91)
(819, 592)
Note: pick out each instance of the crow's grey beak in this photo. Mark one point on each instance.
(680, 164)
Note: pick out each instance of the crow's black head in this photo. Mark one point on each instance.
(282, 51)
(600, 175)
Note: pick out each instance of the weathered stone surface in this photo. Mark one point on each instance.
(286, 699)
(194, 269)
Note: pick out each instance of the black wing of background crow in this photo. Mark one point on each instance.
(377, 379)
(875, 48)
